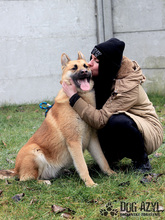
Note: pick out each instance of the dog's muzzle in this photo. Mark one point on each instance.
(82, 79)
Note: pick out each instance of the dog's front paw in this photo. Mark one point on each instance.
(110, 172)
(90, 183)
(94, 185)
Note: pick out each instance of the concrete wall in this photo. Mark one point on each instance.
(141, 24)
(33, 35)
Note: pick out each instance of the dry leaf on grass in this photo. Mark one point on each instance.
(151, 177)
(157, 154)
(161, 208)
(46, 182)
(4, 143)
(18, 197)
(57, 209)
(66, 215)
(9, 161)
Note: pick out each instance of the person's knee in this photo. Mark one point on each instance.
(119, 121)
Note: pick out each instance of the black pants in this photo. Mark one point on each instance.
(121, 138)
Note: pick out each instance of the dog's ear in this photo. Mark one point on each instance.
(80, 56)
(64, 60)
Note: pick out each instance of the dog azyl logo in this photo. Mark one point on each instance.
(132, 209)
(109, 210)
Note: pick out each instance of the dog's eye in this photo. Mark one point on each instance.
(75, 67)
(85, 65)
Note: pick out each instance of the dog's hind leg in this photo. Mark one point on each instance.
(96, 152)
(75, 149)
(28, 169)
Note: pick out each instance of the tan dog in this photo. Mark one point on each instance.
(63, 135)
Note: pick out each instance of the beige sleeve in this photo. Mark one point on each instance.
(98, 118)
(92, 116)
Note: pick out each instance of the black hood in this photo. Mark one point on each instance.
(110, 54)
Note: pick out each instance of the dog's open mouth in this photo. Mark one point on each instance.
(82, 80)
(84, 83)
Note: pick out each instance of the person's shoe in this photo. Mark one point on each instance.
(142, 167)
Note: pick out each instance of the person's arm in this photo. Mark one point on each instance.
(92, 116)
(121, 101)
(98, 118)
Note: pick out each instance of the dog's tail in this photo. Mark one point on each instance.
(4, 174)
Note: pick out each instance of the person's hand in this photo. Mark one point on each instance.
(69, 89)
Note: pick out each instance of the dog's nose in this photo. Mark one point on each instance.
(84, 71)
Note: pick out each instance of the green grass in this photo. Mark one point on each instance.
(18, 123)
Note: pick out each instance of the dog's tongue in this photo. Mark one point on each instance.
(84, 84)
